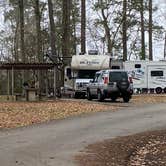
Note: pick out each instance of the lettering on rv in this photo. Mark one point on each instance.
(88, 62)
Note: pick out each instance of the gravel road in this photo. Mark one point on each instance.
(56, 143)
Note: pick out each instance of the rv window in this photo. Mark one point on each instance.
(138, 66)
(156, 73)
(89, 74)
(115, 67)
(68, 72)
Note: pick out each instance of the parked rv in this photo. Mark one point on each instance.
(147, 75)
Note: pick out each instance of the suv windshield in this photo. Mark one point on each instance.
(89, 74)
(117, 76)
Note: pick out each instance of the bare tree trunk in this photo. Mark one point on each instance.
(22, 46)
(21, 9)
(16, 39)
(83, 26)
(142, 31)
(124, 28)
(52, 28)
(66, 28)
(53, 41)
(107, 32)
(150, 31)
(66, 36)
(38, 31)
(165, 47)
(38, 42)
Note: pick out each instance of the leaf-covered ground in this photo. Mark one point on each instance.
(144, 149)
(16, 114)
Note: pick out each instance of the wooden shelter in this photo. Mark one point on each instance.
(28, 66)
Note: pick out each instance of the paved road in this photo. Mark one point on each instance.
(56, 143)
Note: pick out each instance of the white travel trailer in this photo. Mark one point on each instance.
(83, 69)
(147, 75)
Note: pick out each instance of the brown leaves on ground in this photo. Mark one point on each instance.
(145, 149)
(15, 114)
(149, 99)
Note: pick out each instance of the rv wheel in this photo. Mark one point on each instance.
(165, 90)
(158, 90)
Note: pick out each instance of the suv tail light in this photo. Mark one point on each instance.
(105, 80)
(130, 80)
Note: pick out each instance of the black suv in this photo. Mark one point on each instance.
(110, 84)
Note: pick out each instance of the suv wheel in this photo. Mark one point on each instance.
(100, 96)
(126, 99)
(89, 97)
(113, 98)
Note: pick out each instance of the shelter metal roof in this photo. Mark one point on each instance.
(27, 66)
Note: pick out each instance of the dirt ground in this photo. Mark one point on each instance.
(144, 149)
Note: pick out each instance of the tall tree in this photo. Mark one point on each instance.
(38, 31)
(38, 41)
(21, 16)
(124, 30)
(150, 31)
(66, 27)
(142, 30)
(52, 40)
(83, 26)
(165, 47)
(52, 29)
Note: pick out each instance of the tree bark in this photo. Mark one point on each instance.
(52, 28)
(107, 32)
(124, 28)
(38, 43)
(142, 31)
(150, 31)
(52, 37)
(66, 35)
(165, 47)
(38, 31)
(66, 28)
(83, 26)
(22, 46)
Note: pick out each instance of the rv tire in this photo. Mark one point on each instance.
(158, 90)
(165, 90)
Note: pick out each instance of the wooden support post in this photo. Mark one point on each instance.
(8, 82)
(55, 74)
(46, 82)
(12, 81)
